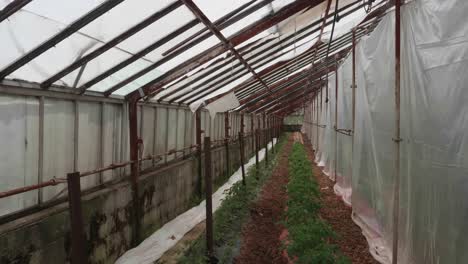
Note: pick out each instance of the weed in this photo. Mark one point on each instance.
(233, 212)
(308, 234)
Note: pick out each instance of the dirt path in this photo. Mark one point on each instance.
(350, 239)
(261, 235)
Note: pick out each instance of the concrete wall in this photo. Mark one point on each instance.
(44, 236)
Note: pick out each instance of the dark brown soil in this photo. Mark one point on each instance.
(261, 241)
(338, 215)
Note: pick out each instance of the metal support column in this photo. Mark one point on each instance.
(226, 142)
(135, 170)
(257, 148)
(241, 148)
(198, 132)
(252, 130)
(336, 123)
(78, 253)
(265, 139)
(396, 139)
(208, 193)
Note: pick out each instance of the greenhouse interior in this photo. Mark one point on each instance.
(234, 131)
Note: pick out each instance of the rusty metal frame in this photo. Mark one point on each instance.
(56, 39)
(226, 76)
(110, 44)
(238, 38)
(12, 8)
(204, 19)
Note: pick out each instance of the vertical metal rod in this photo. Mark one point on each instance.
(199, 149)
(265, 139)
(185, 132)
(76, 129)
(208, 193)
(135, 169)
(155, 132)
(166, 143)
(312, 117)
(102, 139)
(226, 142)
(140, 131)
(397, 139)
(336, 122)
(241, 150)
(257, 148)
(78, 254)
(40, 175)
(318, 120)
(252, 130)
(176, 132)
(354, 87)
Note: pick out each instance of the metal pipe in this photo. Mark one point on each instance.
(208, 194)
(241, 151)
(78, 253)
(397, 139)
(265, 139)
(241, 146)
(134, 168)
(226, 141)
(198, 133)
(336, 123)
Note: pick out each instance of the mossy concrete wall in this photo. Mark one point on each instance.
(44, 236)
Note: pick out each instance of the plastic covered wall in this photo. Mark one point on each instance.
(44, 138)
(434, 176)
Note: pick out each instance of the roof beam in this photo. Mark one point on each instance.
(206, 21)
(223, 22)
(217, 50)
(116, 40)
(56, 39)
(265, 52)
(12, 8)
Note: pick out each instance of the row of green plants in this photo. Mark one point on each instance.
(231, 215)
(309, 236)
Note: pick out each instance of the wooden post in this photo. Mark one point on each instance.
(78, 254)
(209, 202)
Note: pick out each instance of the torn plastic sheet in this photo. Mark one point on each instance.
(223, 104)
(152, 248)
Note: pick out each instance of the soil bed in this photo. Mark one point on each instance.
(261, 235)
(338, 215)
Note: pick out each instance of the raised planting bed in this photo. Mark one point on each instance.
(309, 236)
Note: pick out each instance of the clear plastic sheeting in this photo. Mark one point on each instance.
(223, 104)
(433, 185)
